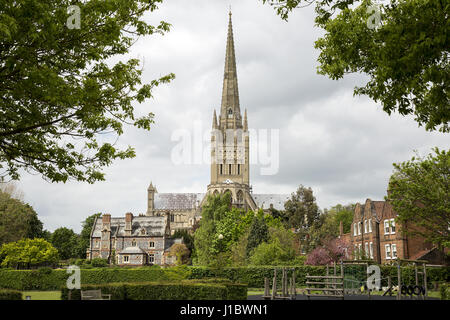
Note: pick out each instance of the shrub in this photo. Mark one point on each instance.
(7, 294)
(445, 291)
(184, 290)
(99, 263)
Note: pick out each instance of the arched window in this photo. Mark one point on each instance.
(133, 243)
(215, 193)
(240, 197)
(230, 113)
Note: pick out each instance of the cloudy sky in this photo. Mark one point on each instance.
(341, 146)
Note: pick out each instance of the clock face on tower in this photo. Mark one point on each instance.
(228, 181)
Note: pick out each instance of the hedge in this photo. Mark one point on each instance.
(38, 280)
(7, 294)
(184, 290)
(253, 276)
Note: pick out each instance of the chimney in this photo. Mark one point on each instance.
(128, 223)
(106, 222)
(168, 230)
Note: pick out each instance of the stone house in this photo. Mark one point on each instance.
(132, 241)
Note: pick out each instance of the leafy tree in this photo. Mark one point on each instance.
(259, 232)
(61, 90)
(214, 209)
(405, 56)
(18, 220)
(188, 239)
(27, 253)
(419, 191)
(65, 240)
(301, 210)
(85, 235)
(280, 249)
(181, 252)
(327, 226)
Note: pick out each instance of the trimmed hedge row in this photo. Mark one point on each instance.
(7, 294)
(38, 280)
(184, 290)
(253, 276)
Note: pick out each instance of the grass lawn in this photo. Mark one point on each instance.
(42, 295)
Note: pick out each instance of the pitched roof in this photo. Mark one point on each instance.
(132, 250)
(178, 201)
(264, 201)
(153, 226)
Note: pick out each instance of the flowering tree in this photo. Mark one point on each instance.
(332, 250)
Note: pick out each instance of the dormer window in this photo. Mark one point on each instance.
(230, 113)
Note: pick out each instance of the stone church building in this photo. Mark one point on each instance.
(146, 239)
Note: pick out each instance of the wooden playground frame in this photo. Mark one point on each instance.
(333, 286)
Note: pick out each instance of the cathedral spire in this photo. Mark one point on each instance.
(214, 125)
(230, 113)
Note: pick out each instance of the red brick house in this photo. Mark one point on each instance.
(377, 236)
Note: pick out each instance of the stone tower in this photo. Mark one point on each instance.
(151, 199)
(230, 170)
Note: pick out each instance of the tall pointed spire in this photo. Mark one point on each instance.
(230, 113)
(214, 125)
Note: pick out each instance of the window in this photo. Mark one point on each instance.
(386, 226)
(387, 248)
(126, 259)
(229, 169)
(370, 225)
(355, 231)
(392, 226)
(133, 243)
(355, 252)
(151, 244)
(389, 226)
(394, 251)
(371, 250)
(360, 250)
(230, 113)
(359, 228)
(239, 169)
(151, 258)
(221, 169)
(365, 226)
(172, 218)
(366, 250)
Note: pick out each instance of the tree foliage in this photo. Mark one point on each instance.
(64, 99)
(405, 55)
(419, 191)
(27, 252)
(301, 210)
(18, 220)
(66, 241)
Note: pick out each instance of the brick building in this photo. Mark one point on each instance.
(375, 235)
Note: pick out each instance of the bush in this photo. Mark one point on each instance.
(184, 290)
(445, 291)
(7, 294)
(99, 263)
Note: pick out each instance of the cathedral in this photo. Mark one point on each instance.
(145, 239)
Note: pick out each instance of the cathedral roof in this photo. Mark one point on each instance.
(264, 201)
(178, 201)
